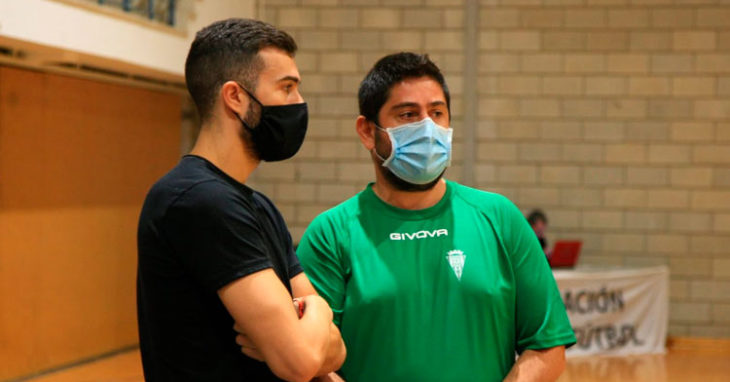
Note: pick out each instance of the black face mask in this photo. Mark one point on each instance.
(280, 131)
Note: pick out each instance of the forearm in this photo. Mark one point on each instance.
(336, 352)
(294, 348)
(314, 335)
(304, 355)
(544, 365)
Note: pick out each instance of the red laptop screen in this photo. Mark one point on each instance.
(565, 253)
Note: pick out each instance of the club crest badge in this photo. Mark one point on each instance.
(456, 261)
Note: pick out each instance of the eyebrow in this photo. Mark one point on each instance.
(289, 78)
(413, 104)
(404, 104)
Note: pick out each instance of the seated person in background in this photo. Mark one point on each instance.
(538, 221)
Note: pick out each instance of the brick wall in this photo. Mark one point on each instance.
(611, 115)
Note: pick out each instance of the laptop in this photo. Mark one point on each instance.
(565, 253)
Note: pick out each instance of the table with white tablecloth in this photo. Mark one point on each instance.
(616, 311)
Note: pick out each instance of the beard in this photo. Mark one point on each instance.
(251, 118)
(393, 179)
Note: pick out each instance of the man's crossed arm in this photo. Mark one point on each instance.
(294, 349)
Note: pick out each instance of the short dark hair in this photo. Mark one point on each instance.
(228, 50)
(536, 216)
(389, 70)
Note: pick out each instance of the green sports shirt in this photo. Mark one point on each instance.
(447, 293)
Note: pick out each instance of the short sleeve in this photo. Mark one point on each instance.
(541, 320)
(214, 232)
(292, 260)
(322, 264)
(295, 267)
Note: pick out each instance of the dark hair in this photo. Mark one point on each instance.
(389, 70)
(228, 50)
(536, 216)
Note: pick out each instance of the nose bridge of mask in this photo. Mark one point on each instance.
(423, 129)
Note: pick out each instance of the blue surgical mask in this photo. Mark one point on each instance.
(420, 152)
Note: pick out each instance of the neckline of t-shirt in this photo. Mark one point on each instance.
(227, 178)
(405, 214)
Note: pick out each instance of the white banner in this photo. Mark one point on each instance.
(616, 312)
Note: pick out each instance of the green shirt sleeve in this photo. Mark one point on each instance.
(540, 317)
(320, 258)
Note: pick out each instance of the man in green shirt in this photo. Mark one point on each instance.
(430, 280)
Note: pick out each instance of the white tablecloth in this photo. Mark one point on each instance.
(616, 311)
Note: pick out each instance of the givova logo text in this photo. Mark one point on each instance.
(419, 235)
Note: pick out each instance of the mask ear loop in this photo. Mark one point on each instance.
(374, 149)
(253, 97)
(250, 95)
(378, 155)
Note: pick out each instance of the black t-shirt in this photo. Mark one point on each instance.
(199, 230)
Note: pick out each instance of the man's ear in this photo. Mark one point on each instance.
(366, 132)
(234, 98)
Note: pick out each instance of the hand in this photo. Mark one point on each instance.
(313, 302)
(299, 307)
(331, 377)
(247, 346)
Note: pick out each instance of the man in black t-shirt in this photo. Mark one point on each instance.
(214, 252)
